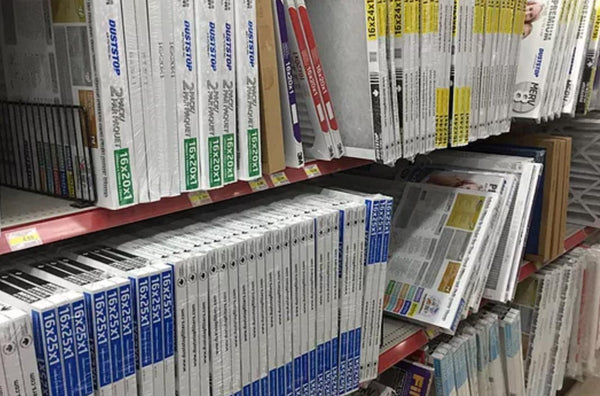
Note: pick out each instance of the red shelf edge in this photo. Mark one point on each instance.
(401, 351)
(98, 219)
(571, 243)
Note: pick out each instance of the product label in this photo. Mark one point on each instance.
(156, 312)
(127, 330)
(371, 14)
(191, 163)
(103, 347)
(228, 158)
(253, 153)
(144, 322)
(53, 359)
(214, 161)
(168, 308)
(114, 330)
(124, 176)
(82, 347)
(68, 348)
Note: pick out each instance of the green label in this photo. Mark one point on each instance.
(228, 158)
(191, 163)
(253, 153)
(124, 177)
(214, 161)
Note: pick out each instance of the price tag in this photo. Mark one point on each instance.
(312, 170)
(23, 239)
(199, 198)
(279, 179)
(258, 185)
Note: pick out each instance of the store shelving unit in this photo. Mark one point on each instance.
(418, 337)
(31, 219)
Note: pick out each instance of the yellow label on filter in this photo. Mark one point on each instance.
(455, 18)
(433, 17)
(488, 16)
(467, 114)
(479, 18)
(382, 18)
(411, 17)
(396, 12)
(495, 15)
(442, 111)
(519, 16)
(596, 30)
(424, 15)
(461, 117)
(506, 17)
(371, 18)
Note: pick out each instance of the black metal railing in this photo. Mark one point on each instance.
(45, 148)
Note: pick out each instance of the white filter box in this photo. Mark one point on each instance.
(226, 64)
(187, 95)
(248, 99)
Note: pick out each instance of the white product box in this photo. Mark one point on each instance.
(209, 45)
(26, 352)
(188, 94)
(248, 97)
(536, 54)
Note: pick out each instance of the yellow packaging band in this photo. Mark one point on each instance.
(466, 111)
(424, 15)
(382, 20)
(506, 17)
(479, 18)
(495, 16)
(434, 16)
(520, 17)
(442, 112)
(411, 17)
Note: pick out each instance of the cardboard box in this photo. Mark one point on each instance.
(273, 157)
